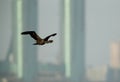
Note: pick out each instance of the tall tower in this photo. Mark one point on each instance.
(77, 41)
(114, 70)
(115, 55)
(74, 39)
(29, 51)
(24, 17)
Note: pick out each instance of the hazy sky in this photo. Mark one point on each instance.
(102, 27)
(102, 19)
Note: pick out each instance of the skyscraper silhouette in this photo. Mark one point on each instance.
(24, 17)
(74, 39)
(114, 69)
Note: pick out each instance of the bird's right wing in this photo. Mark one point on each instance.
(32, 34)
(46, 38)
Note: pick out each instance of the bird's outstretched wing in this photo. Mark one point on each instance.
(46, 38)
(32, 34)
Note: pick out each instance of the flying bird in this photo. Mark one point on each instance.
(39, 40)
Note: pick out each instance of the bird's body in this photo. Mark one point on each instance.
(39, 40)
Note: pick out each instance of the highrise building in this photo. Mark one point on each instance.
(115, 55)
(114, 69)
(24, 17)
(74, 32)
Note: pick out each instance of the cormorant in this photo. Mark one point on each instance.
(39, 40)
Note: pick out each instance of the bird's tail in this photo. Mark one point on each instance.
(35, 44)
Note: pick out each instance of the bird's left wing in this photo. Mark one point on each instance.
(32, 34)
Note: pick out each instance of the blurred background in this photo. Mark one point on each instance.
(86, 48)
